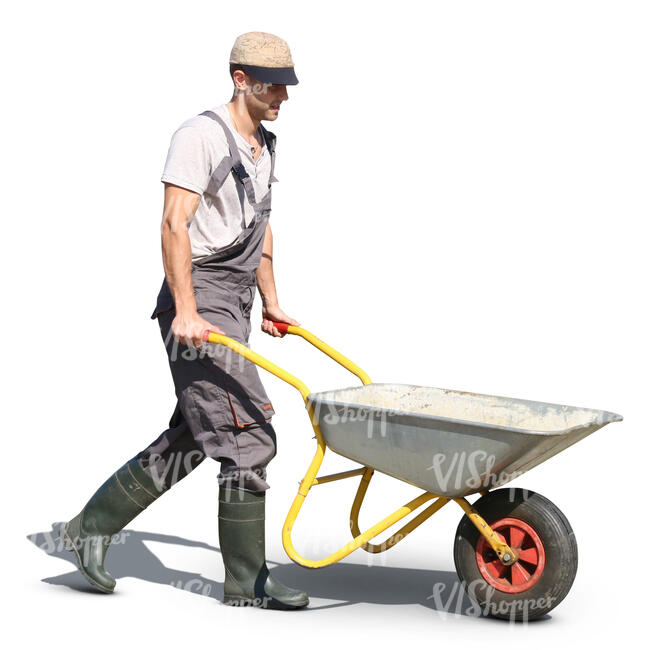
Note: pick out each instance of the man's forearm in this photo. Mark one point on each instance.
(177, 261)
(266, 284)
(264, 273)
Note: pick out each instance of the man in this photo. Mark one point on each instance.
(216, 246)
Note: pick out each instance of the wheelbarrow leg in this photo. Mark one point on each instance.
(402, 532)
(503, 551)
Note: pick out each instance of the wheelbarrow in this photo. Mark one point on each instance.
(514, 551)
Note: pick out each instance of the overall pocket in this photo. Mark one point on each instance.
(247, 301)
(247, 410)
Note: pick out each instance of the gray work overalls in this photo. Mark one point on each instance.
(222, 410)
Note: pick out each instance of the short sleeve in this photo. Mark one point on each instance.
(188, 160)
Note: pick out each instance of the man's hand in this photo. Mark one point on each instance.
(274, 313)
(188, 328)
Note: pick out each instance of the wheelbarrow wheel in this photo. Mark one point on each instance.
(546, 549)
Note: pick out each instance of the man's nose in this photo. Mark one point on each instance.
(282, 93)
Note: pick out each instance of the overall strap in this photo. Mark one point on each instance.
(235, 160)
(270, 138)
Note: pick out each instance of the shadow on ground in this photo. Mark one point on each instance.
(345, 583)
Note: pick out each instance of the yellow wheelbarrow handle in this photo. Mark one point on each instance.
(257, 359)
(262, 362)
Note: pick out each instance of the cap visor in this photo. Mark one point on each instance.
(275, 76)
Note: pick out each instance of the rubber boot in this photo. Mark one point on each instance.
(241, 538)
(120, 499)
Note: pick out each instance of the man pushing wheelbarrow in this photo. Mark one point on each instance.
(514, 551)
(217, 248)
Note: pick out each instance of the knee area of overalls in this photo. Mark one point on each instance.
(236, 480)
(267, 428)
(266, 432)
(168, 468)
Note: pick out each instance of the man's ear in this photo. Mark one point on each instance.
(240, 77)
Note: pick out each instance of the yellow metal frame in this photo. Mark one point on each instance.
(360, 540)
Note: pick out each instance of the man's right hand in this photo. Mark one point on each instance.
(188, 328)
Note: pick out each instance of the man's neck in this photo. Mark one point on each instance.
(241, 118)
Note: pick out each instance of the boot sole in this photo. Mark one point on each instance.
(70, 546)
(271, 603)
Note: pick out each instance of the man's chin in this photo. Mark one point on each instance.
(271, 114)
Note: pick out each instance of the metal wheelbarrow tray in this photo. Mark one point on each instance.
(448, 442)
(514, 550)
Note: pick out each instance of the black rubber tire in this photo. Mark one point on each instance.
(560, 548)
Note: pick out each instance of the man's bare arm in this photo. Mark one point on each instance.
(180, 206)
(266, 284)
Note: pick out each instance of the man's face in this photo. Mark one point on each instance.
(262, 100)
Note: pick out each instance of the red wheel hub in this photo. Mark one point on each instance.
(528, 548)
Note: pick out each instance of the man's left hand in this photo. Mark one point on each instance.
(274, 313)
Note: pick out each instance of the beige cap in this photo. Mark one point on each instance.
(265, 57)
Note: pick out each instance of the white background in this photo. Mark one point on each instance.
(462, 203)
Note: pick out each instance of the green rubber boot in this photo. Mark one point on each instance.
(120, 499)
(241, 538)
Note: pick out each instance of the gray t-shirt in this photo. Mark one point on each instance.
(196, 149)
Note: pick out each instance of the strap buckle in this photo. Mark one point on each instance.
(240, 171)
